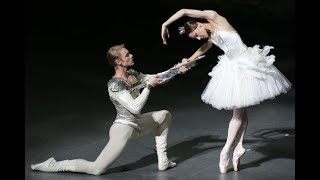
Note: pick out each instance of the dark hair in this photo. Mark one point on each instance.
(113, 54)
(190, 26)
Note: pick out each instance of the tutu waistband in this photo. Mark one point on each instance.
(253, 62)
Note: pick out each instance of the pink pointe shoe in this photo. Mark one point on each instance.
(237, 154)
(223, 166)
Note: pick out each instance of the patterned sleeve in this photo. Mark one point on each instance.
(118, 91)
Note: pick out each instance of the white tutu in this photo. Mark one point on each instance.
(244, 81)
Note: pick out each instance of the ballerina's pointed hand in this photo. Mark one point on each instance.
(164, 33)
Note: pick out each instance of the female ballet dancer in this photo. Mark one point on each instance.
(244, 76)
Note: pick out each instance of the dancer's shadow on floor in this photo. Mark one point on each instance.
(274, 144)
(181, 152)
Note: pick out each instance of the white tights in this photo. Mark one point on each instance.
(120, 135)
(236, 132)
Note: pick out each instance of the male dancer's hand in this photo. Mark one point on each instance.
(155, 80)
(183, 69)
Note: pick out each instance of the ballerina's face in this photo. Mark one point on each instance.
(199, 33)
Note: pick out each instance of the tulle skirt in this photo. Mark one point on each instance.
(244, 81)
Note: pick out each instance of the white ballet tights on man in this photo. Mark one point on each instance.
(120, 135)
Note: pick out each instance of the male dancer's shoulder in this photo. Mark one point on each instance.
(133, 72)
(116, 84)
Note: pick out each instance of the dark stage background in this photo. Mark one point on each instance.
(65, 44)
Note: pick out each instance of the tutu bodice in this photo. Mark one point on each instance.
(230, 42)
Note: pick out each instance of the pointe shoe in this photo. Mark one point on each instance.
(223, 167)
(237, 154)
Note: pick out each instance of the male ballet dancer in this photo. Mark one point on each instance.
(129, 124)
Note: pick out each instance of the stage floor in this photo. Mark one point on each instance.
(196, 138)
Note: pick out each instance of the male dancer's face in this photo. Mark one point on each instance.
(126, 58)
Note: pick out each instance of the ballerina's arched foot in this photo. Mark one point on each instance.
(224, 161)
(237, 154)
(223, 168)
